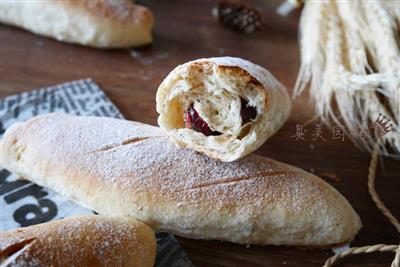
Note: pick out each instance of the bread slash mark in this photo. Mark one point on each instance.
(235, 180)
(124, 142)
(12, 251)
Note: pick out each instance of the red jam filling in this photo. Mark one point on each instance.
(195, 122)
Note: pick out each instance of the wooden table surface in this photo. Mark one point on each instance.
(186, 30)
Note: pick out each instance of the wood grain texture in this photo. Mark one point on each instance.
(186, 30)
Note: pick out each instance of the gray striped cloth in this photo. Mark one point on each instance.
(23, 203)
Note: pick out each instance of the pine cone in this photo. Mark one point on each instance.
(238, 16)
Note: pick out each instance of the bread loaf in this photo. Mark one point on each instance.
(80, 241)
(223, 107)
(129, 169)
(97, 23)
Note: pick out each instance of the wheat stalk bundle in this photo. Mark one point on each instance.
(350, 61)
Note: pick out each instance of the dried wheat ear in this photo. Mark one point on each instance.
(350, 60)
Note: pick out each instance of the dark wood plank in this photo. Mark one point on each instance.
(186, 30)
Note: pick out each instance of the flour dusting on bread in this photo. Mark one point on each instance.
(81, 241)
(129, 169)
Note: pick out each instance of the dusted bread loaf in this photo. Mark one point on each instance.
(223, 107)
(123, 168)
(98, 23)
(80, 241)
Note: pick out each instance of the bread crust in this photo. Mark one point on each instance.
(265, 93)
(129, 169)
(96, 23)
(80, 241)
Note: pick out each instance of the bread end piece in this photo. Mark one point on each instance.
(80, 241)
(218, 89)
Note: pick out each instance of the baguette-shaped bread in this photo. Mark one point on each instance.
(97, 23)
(80, 241)
(123, 168)
(224, 107)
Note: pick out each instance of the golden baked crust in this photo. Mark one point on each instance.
(123, 168)
(80, 241)
(115, 10)
(97, 23)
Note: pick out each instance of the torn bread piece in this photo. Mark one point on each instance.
(129, 169)
(80, 241)
(223, 107)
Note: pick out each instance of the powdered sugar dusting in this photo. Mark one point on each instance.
(85, 241)
(156, 165)
(177, 189)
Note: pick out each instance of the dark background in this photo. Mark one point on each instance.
(186, 30)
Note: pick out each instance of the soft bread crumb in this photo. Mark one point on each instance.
(215, 86)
